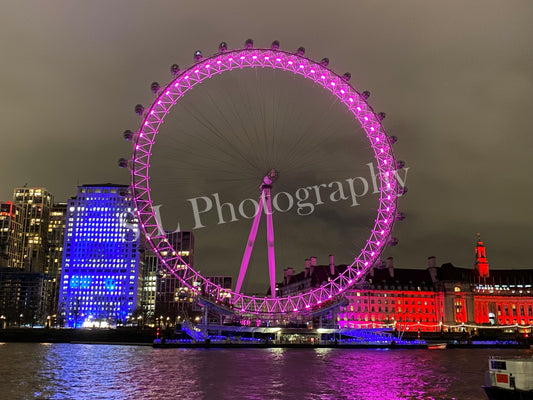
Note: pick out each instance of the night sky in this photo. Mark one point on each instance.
(454, 77)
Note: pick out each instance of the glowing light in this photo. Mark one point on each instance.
(358, 108)
(322, 77)
(312, 71)
(351, 100)
(187, 77)
(254, 57)
(290, 63)
(278, 59)
(332, 83)
(342, 91)
(196, 71)
(301, 66)
(267, 58)
(242, 57)
(219, 62)
(207, 66)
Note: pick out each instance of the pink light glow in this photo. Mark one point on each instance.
(301, 66)
(159, 102)
(377, 139)
(382, 233)
(152, 112)
(322, 77)
(381, 150)
(351, 101)
(242, 57)
(230, 59)
(372, 129)
(254, 57)
(196, 71)
(366, 118)
(294, 309)
(319, 302)
(342, 91)
(290, 62)
(312, 71)
(278, 59)
(187, 77)
(267, 58)
(307, 306)
(358, 108)
(176, 84)
(358, 272)
(208, 66)
(332, 83)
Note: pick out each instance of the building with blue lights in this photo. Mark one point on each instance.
(100, 258)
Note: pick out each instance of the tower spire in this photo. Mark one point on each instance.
(482, 265)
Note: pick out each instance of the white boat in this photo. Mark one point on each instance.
(509, 379)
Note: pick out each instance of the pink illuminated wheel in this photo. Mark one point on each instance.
(324, 78)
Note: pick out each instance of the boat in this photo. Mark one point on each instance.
(509, 379)
(437, 346)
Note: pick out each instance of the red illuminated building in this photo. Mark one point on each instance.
(433, 299)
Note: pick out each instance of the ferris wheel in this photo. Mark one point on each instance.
(326, 81)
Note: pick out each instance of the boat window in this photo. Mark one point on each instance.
(497, 364)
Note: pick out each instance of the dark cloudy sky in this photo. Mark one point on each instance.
(454, 77)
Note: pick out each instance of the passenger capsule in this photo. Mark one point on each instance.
(275, 45)
(347, 76)
(393, 241)
(400, 216)
(300, 51)
(393, 139)
(198, 55)
(154, 87)
(175, 69)
(400, 164)
(402, 191)
(128, 135)
(222, 47)
(249, 44)
(324, 62)
(365, 95)
(139, 109)
(123, 163)
(381, 116)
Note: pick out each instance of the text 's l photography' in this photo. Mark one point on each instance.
(304, 200)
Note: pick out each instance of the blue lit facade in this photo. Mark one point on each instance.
(100, 257)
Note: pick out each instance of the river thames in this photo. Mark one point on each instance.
(84, 371)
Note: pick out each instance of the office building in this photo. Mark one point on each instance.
(100, 257)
